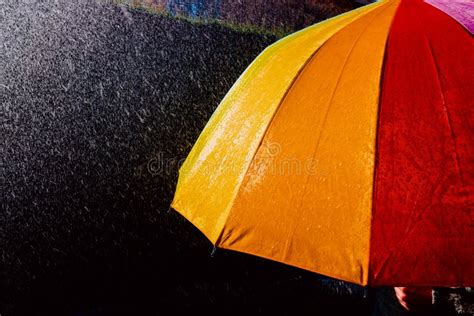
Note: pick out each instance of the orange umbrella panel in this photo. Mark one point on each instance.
(213, 172)
(326, 122)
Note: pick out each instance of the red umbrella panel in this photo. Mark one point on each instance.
(422, 221)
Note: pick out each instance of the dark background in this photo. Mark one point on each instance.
(99, 103)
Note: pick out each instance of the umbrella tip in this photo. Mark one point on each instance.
(213, 252)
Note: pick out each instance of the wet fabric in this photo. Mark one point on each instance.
(347, 149)
(331, 146)
(222, 154)
(422, 229)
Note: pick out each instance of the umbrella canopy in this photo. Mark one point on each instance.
(347, 149)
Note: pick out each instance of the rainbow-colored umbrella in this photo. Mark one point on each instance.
(347, 149)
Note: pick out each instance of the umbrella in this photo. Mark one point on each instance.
(347, 149)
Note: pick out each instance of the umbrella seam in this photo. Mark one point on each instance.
(377, 139)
